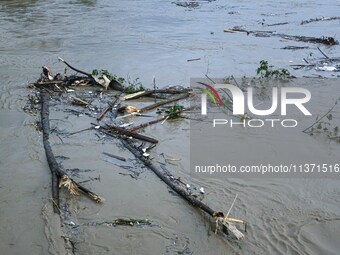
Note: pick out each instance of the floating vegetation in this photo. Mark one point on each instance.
(265, 70)
(174, 112)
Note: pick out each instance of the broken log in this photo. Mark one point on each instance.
(79, 101)
(128, 133)
(58, 175)
(144, 125)
(107, 108)
(157, 91)
(318, 19)
(322, 40)
(170, 100)
(219, 216)
(124, 132)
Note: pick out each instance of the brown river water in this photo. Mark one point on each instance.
(142, 39)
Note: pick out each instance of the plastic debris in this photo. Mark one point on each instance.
(202, 190)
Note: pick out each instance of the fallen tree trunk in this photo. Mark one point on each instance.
(225, 221)
(59, 177)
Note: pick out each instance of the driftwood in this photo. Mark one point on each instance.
(79, 101)
(58, 175)
(323, 64)
(302, 66)
(108, 108)
(318, 19)
(75, 69)
(219, 216)
(125, 222)
(167, 101)
(104, 81)
(276, 24)
(114, 130)
(157, 91)
(322, 40)
(294, 48)
(61, 179)
(144, 125)
(172, 115)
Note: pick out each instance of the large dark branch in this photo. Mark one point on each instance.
(227, 226)
(182, 192)
(58, 175)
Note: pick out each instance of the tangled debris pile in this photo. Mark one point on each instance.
(101, 97)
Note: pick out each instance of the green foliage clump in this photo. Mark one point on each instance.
(134, 87)
(265, 70)
(174, 112)
(109, 75)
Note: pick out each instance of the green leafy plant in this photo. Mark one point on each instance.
(265, 70)
(134, 87)
(174, 112)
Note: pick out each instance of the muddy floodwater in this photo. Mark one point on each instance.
(146, 39)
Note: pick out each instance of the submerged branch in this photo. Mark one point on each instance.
(226, 223)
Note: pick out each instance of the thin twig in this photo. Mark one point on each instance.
(231, 206)
(114, 156)
(79, 131)
(322, 53)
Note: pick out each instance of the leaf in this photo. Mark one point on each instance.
(330, 116)
(95, 72)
